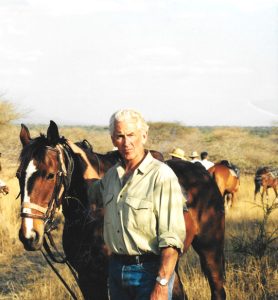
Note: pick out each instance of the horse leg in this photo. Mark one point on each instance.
(178, 290)
(262, 194)
(233, 198)
(212, 264)
(226, 200)
(266, 191)
(229, 200)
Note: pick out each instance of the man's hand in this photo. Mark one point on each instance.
(159, 292)
(75, 149)
(89, 172)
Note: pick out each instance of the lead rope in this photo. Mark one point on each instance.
(59, 276)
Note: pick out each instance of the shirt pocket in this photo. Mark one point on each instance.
(137, 213)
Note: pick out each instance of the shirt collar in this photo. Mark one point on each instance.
(145, 163)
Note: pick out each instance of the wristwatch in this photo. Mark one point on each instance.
(162, 281)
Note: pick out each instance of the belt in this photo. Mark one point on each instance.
(136, 259)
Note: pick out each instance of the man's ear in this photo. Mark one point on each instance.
(113, 141)
(144, 137)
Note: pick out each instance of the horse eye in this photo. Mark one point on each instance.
(50, 176)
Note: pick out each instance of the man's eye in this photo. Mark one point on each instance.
(50, 176)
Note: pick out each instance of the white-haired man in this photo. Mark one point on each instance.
(143, 221)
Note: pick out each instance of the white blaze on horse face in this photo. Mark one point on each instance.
(28, 222)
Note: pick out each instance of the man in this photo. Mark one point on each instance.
(143, 220)
(194, 156)
(177, 153)
(204, 160)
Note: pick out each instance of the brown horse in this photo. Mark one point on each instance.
(266, 177)
(50, 174)
(226, 176)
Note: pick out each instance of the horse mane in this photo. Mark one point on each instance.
(193, 171)
(267, 169)
(36, 148)
(230, 165)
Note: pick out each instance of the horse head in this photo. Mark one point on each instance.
(42, 179)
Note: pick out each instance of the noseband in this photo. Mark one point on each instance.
(63, 176)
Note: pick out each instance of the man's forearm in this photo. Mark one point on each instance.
(169, 257)
(89, 172)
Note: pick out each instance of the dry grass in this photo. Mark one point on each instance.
(26, 276)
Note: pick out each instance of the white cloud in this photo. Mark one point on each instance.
(252, 5)
(85, 7)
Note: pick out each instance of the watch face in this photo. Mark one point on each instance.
(162, 281)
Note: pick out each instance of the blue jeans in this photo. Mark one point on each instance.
(134, 282)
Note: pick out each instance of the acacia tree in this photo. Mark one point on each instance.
(8, 137)
(8, 113)
(261, 244)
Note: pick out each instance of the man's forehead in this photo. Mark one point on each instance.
(125, 126)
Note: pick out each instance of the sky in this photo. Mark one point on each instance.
(199, 63)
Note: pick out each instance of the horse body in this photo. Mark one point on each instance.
(265, 178)
(226, 176)
(50, 170)
(205, 221)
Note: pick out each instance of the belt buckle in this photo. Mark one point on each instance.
(137, 259)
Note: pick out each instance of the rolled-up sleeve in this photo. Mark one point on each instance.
(169, 200)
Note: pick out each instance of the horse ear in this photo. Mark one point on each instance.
(53, 133)
(25, 137)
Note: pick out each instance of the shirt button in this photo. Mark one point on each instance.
(118, 231)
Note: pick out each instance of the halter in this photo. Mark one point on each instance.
(63, 176)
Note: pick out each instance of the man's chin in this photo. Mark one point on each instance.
(128, 156)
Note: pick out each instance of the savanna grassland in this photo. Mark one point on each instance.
(251, 227)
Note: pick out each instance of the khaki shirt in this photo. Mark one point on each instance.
(146, 213)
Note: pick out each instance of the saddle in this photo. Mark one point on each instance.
(231, 166)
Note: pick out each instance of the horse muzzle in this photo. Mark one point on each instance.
(33, 242)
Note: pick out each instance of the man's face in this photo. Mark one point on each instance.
(129, 140)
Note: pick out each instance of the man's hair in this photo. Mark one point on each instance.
(203, 154)
(127, 115)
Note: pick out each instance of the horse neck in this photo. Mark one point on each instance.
(75, 199)
(103, 162)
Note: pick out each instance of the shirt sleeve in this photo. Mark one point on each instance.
(169, 200)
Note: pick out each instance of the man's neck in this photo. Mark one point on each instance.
(131, 165)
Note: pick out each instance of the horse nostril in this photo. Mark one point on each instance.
(32, 242)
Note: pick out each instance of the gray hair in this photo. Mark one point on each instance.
(125, 115)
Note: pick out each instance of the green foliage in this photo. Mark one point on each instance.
(261, 131)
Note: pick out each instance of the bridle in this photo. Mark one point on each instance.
(63, 179)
